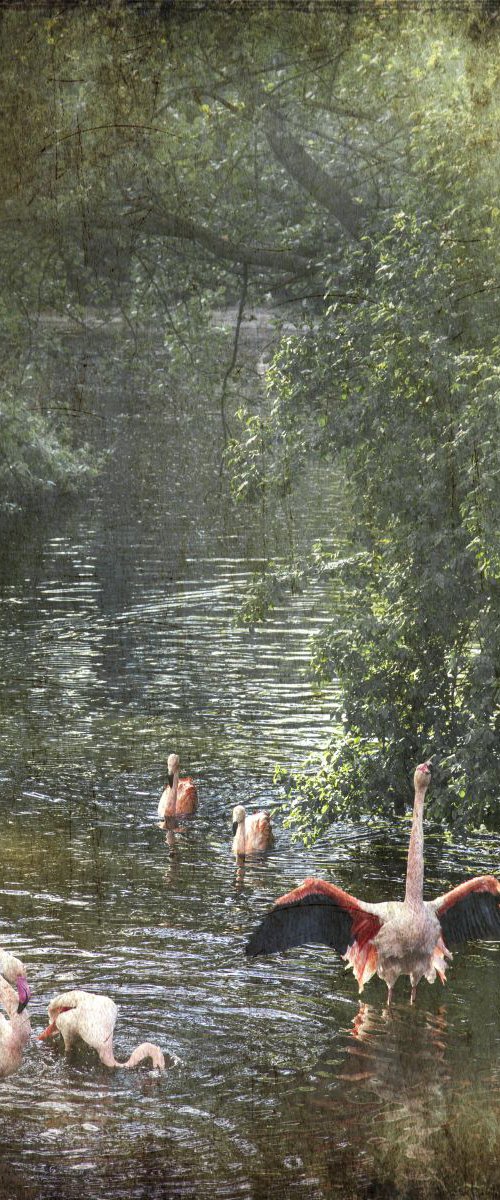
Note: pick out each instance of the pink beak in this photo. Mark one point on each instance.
(23, 991)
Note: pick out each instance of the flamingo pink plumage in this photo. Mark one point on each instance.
(252, 834)
(180, 797)
(92, 1018)
(410, 937)
(14, 996)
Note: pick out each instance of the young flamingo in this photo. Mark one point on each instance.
(409, 937)
(180, 797)
(14, 995)
(93, 1018)
(251, 834)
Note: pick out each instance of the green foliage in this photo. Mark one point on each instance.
(268, 590)
(343, 162)
(36, 458)
(414, 416)
(402, 389)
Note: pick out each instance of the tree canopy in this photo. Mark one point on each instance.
(336, 166)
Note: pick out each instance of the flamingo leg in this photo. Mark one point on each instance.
(390, 989)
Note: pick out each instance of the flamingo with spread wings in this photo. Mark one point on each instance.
(409, 937)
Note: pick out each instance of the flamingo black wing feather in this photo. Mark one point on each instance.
(476, 917)
(311, 920)
(470, 911)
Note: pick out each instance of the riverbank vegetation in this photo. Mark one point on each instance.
(333, 170)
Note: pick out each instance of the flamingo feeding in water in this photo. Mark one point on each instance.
(409, 937)
(93, 1018)
(251, 834)
(180, 797)
(14, 996)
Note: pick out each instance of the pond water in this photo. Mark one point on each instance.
(120, 643)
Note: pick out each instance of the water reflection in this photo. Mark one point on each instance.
(399, 1063)
(119, 639)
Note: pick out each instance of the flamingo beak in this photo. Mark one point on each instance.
(23, 991)
(49, 1031)
(170, 779)
(235, 826)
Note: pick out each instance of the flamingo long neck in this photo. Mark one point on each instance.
(8, 998)
(145, 1050)
(106, 1055)
(240, 837)
(414, 894)
(21, 1029)
(172, 800)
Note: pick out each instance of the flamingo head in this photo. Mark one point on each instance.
(23, 991)
(172, 767)
(14, 972)
(239, 815)
(422, 777)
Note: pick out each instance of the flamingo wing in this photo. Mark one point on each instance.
(316, 912)
(187, 795)
(470, 911)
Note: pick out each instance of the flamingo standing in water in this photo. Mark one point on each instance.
(93, 1018)
(251, 834)
(409, 937)
(14, 996)
(180, 797)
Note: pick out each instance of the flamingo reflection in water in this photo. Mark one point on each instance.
(171, 836)
(410, 937)
(391, 1094)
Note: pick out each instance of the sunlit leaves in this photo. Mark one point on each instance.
(418, 431)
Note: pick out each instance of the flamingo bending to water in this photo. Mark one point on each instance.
(409, 937)
(180, 797)
(14, 996)
(93, 1018)
(251, 834)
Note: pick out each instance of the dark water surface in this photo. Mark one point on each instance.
(119, 645)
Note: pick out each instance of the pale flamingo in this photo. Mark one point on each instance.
(14, 996)
(409, 937)
(92, 1018)
(180, 797)
(251, 834)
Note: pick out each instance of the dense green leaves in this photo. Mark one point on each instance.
(412, 411)
(331, 172)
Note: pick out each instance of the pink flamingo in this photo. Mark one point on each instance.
(180, 797)
(409, 937)
(14, 996)
(93, 1018)
(251, 834)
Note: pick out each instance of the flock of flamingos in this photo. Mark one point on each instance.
(409, 937)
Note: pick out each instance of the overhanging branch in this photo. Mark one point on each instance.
(171, 225)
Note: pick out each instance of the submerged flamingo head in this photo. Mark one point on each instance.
(422, 777)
